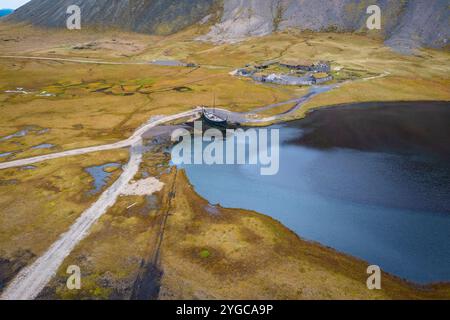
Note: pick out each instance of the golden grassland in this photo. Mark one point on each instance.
(122, 240)
(134, 92)
(38, 205)
(98, 104)
(230, 254)
(423, 76)
(392, 88)
(209, 252)
(80, 116)
(237, 254)
(18, 39)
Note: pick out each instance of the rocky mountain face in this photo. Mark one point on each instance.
(148, 16)
(405, 23)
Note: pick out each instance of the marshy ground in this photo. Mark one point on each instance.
(202, 251)
(178, 246)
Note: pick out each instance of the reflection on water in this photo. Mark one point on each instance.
(390, 209)
(22, 133)
(44, 146)
(6, 154)
(18, 134)
(28, 168)
(168, 63)
(100, 175)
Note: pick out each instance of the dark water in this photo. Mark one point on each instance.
(371, 180)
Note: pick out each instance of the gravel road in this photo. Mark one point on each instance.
(31, 280)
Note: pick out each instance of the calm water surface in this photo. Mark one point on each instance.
(381, 193)
(100, 176)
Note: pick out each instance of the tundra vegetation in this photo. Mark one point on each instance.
(207, 251)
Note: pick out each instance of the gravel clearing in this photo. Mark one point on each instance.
(145, 187)
(32, 279)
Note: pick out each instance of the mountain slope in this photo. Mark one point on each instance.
(149, 16)
(406, 23)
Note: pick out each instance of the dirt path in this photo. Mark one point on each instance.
(31, 280)
(75, 60)
(251, 117)
(103, 62)
(118, 145)
(76, 152)
(242, 118)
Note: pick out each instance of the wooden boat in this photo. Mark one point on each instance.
(214, 119)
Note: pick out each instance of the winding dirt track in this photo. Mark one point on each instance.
(74, 60)
(247, 117)
(118, 145)
(31, 280)
(104, 62)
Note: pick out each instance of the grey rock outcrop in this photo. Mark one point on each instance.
(406, 24)
(149, 16)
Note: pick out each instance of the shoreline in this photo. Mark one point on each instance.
(426, 286)
(319, 257)
(361, 107)
(251, 254)
(333, 106)
(423, 130)
(325, 251)
(360, 104)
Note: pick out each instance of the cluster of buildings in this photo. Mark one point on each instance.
(299, 74)
(308, 80)
(320, 66)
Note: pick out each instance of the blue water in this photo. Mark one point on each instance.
(44, 146)
(100, 176)
(4, 12)
(18, 134)
(391, 210)
(6, 154)
(28, 168)
(168, 63)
